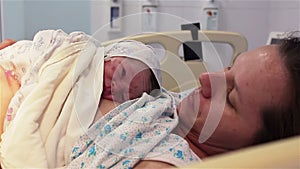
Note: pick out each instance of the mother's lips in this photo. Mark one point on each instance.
(192, 101)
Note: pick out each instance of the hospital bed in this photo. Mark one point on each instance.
(179, 75)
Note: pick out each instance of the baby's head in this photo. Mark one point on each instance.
(130, 69)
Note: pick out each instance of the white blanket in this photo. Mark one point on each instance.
(63, 84)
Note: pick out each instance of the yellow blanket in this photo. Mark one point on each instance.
(67, 85)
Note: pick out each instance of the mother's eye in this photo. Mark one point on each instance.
(228, 99)
(123, 73)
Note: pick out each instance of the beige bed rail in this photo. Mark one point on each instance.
(278, 154)
(178, 75)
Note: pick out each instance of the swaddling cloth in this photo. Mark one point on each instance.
(136, 130)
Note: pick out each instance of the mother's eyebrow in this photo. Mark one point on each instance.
(236, 86)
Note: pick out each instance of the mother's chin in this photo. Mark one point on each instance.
(188, 111)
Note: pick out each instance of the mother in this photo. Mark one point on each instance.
(262, 102)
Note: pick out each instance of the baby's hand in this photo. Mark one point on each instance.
(8, 87)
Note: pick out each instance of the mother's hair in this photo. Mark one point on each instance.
(283, 122)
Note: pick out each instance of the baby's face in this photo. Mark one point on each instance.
(125, 79)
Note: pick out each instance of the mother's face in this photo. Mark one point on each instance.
(257, 79)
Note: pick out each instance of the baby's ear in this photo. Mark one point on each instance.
(155, 92)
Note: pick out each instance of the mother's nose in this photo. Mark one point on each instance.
(205, 84)
(212, 83)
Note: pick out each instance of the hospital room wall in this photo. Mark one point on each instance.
(255, 19)
(21, 19)
(12, 24)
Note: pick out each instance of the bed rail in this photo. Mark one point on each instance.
(179, 75)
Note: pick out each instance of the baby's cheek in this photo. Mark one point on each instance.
(134, 91)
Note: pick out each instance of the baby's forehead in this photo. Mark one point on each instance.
(132, 61)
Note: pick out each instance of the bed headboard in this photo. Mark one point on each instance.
(179, 75)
